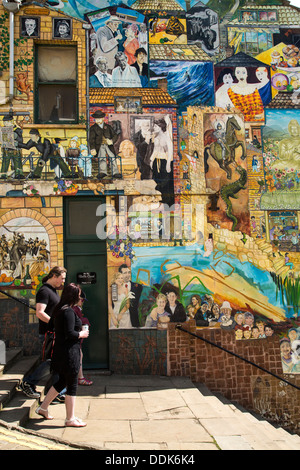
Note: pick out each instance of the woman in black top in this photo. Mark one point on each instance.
(66, 354)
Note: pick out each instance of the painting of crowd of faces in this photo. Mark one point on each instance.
(247, 89)
(226, 171)
(25, 255)
(118, 49)
(215, 289)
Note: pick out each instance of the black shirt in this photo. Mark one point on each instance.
(179, 314)
(47, 295)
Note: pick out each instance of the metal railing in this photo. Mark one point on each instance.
(27, 167)
(179, 327)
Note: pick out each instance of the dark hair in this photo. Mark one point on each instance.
(55, 271)
(161, 123)
(223, 72)
(123, 266)
(69, 297)
(140, 50)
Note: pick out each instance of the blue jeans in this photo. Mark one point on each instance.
(42, 371)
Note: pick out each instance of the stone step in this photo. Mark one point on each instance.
(9, 380)
(19, 409)
(15, 407)
(11, 356)
(235, 428)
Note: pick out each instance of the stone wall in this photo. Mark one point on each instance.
(234, 378)
(248, 250)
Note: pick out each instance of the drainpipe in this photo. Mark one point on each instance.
(11, 55)
(12, 7)
(87, 28)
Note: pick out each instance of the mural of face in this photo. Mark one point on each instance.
(241, 74)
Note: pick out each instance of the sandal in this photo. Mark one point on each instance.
(75, 423)
(46, 416)
(84, 381)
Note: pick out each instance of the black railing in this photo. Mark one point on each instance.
(31, 167)
(23, 302)
(179, 327)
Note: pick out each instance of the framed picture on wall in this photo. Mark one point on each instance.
(128, 104)
(62, 28)
(30, 26)
(140, 124)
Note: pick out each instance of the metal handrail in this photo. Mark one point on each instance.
(16, 299)
(179, 327)
(30, 162)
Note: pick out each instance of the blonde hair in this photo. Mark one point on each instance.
(115, 277)
(161, 296)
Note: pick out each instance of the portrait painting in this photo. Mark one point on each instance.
(30, 26)
(246, 88)
(62, 28)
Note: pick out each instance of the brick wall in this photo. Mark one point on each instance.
(138, 351)
(237, 380)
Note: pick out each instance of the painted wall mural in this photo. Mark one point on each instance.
(285, 70)
(171, 112)
(189, 83)
(244, 83)
(226, 171)
(203, 26)
(280, 146)
(118, 48)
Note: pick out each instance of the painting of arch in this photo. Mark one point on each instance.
(25, 253)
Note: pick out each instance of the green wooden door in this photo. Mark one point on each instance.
(85, 260)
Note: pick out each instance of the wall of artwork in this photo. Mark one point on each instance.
(184, 117)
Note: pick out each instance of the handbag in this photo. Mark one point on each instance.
(48, 345)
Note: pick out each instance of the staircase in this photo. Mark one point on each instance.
(235, 428)
(184, 406)
(15, 407)
(277, 261)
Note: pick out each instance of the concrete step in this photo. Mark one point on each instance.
(15, 370)
(11, 356)
(235, 428)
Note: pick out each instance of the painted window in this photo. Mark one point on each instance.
(56, 84)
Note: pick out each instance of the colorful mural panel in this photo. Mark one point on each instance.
(174, 126)
(285, 71)
(281, 137)
(189, 83)
(119, 49)
(226, 171)
(243, 83)
(203, 27)
(171, 29)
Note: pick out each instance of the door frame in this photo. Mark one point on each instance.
(102, 250)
